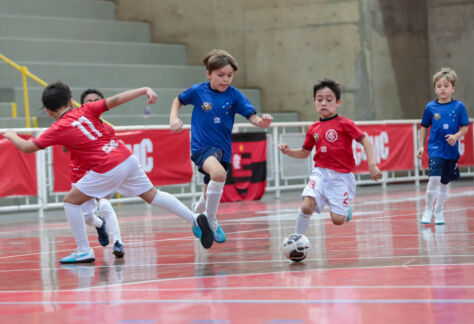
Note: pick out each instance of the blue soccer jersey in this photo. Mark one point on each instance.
(444, 119)
(213, 115)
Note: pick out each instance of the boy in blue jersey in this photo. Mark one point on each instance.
(449, 122)
(215, 104)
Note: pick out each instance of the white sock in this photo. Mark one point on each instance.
(172, 204)
(302, 222)
(106, 211)
(214, 194)
(432, 191)
(76, 222)
(200, 206)
(442, 195)
(88, 211)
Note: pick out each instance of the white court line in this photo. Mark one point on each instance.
(107, 286)
(248, 301)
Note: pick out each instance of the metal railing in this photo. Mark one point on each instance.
(25, 74)
(277, 179)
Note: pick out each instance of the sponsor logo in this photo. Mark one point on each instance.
(316, 137)
(217, 120)
(110, 146)
(141, 150)
(379, 144)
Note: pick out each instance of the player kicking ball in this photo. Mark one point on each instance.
(112, 165)
(332, 181)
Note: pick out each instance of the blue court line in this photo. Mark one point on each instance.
(256, 301)
(210, 321)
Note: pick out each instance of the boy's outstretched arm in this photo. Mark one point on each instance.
(128, 95)
(375, 173)
(299, 153)
(20, 143)
(175, 123)
(261, 122)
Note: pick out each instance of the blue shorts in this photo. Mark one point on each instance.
(202, 154)
(447, 169)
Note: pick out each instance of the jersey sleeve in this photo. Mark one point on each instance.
(187, 96)
(463, 113)
(353, 131)
(243, 106)
(427, 117)
(309, 141)
(48, 138)
(95, 108)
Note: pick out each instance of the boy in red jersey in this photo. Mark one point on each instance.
(111, 165)
(331, 181)
(107, 213)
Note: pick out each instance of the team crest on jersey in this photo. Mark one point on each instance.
(206, 106)
(331, 135)
(316, 137)
(437, 116)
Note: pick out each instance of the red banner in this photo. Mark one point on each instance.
(164, 156)
(466, 150)
(18, 177)
(246, 179)
(393, 147)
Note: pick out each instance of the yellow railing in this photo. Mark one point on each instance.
(25, 73)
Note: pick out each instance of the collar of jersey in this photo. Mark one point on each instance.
(64, 113)
(326, 119)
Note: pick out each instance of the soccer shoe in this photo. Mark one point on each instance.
(119, 251)
(439, 217)
(102, 232)
(426, 219)
(206, 233)
(198, 209)
(349, 214)
(217, 232)
(196, 229)
(79, 257)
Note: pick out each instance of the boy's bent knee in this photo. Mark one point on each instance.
(338, 219)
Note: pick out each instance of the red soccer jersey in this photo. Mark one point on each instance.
(77, 170)
(86, 137)
(333, 140)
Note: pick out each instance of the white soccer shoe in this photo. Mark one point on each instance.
(439, 217)
(426, 219)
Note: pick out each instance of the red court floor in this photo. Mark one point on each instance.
(382, 267)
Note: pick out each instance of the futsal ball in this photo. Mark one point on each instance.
(295, 247)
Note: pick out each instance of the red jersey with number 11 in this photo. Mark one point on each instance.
(333, 140)
(86, 137)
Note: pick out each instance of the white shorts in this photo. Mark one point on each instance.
(127, 178)
(330, 187)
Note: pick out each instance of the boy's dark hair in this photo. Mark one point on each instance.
(330, 84)
(89, 91)
(217, 59)
(56, 95)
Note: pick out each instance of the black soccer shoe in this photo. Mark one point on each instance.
(119, 251)
(206, 237)
(102, 233)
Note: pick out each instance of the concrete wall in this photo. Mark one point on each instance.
(380, 50)
(451, 43)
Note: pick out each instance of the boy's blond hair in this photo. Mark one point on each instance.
(447, 73)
